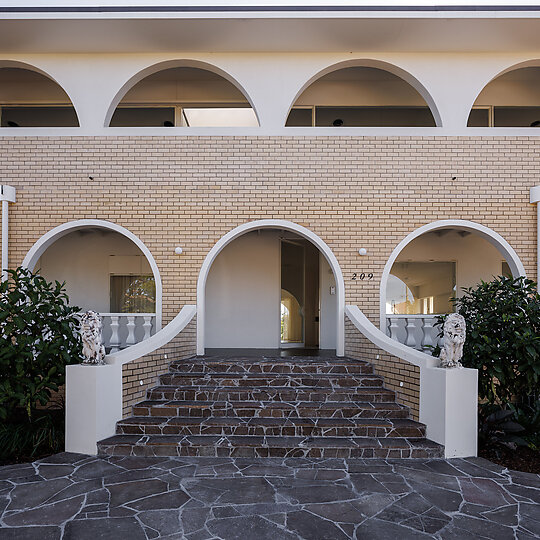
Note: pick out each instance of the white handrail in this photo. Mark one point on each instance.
(379, 338)
(153, 343)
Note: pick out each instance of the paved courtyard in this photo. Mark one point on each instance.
(72, 496)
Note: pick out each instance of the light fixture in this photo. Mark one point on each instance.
(178, 250)
(362, 251)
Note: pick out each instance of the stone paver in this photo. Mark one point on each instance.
(75, 497)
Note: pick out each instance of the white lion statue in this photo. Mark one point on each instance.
(454, 338)
(91, 329)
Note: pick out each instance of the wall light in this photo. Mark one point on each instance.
(178, 250)
(362, 251)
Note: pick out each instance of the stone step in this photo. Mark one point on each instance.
(265, 393)
(243, 446)
(280, 427)
(240, 365)
(248, 380)
(270, 409)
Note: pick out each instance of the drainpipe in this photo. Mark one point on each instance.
(535, 199)
(7, 195)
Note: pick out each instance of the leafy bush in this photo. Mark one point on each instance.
(38, 337)
(21, 440)
(503, 338)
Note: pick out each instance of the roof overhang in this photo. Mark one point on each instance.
(86, 26)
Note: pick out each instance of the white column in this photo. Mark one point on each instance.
(535, 199)
(7, 195)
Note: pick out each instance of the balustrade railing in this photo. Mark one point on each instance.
(416, 331)
(120, 330)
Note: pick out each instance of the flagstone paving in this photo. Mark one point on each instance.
(72, 496)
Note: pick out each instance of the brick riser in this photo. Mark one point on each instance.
(270, 407)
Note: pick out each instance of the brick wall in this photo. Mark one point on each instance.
(148, 368)
(351, 191)
(400, 376)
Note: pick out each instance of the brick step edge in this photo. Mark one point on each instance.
(356, 429)
(238, 446)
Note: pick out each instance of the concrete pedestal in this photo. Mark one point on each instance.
(93, 405)
(448, 406)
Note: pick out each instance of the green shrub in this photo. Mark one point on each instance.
(38, 337)
(503, 338)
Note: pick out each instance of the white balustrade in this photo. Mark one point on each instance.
(416, 331)
(121, 330)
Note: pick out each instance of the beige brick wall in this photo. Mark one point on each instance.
(148, 368)
(400, 376)
(351, 191)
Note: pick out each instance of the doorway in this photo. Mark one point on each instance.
(299, 303)
(242, 285)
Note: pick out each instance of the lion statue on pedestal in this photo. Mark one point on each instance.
(91, 333)
(454, 331)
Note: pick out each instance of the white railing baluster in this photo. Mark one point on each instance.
(147, 326)
(115, 334)
(416, 331)
(124, 330)
(130, 340)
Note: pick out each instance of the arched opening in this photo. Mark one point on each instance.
(106, 269)
(183, 96)
(431, 267)
(511, 99)
(264, 274)
(32, 99)
(362, 96)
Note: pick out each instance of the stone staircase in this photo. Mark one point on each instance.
(270, 407)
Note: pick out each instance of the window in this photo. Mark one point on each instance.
(421, 288)
(133, 294)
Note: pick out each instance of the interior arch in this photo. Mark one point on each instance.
(29, 97)
(507, 253)
(48, 239)
(181, 93)
(363, 93)
(510, 99)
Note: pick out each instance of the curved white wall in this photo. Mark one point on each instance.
(271, 81)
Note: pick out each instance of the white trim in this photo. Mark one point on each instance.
(515, 264)
(156, 341)
(271, 224)
(37, 250)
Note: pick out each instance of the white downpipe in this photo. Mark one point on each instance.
(535, 199)
(7, 195)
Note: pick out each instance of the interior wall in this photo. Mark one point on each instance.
(243, 294)
(85, 259)
(184, 85)
(328, 302)
(360, 86)
(476, 259)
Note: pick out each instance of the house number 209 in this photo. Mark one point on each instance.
(362, 276)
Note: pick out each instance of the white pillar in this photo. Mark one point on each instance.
(535, 199)
(7, 195)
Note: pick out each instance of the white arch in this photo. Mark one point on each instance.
(49, 238)
(35, 69)
(533, 62)
(515, 264)
(168, 64)
(271, 224)
(379, 64)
